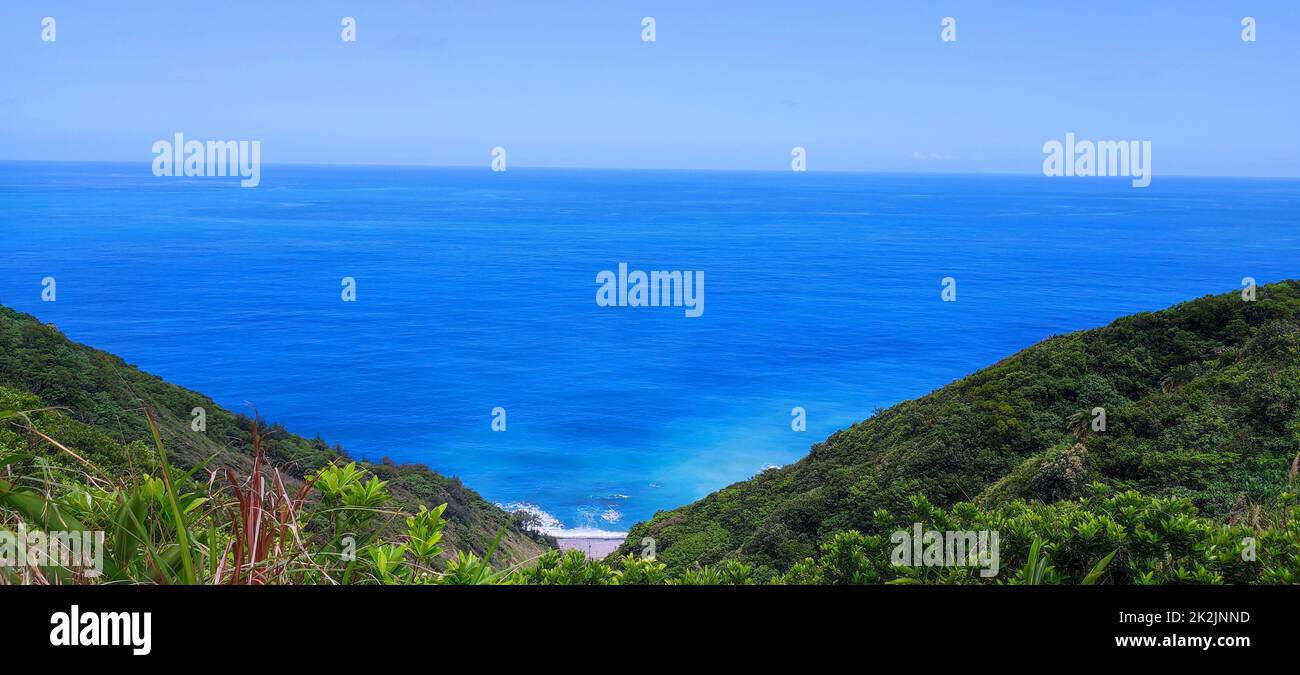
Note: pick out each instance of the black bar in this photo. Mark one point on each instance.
(319, 621)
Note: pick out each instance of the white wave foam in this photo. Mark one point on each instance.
(545, 523)
(542, 521)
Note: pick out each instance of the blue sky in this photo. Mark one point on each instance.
(862, 84)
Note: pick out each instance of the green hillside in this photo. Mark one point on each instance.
(1202, 403)
(98, 404)
(1188, 484)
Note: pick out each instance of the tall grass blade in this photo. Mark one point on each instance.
(1097, 570)
(182, 532)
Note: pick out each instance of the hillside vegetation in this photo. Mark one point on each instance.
(1188, 484)
(94, 403)
(1202, 405)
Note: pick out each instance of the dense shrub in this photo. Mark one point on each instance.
(1202, 404)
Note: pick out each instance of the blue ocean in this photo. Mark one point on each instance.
(477, 290)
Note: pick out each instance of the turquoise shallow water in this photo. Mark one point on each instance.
(477, 290)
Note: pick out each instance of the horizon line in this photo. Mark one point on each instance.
(365, 165)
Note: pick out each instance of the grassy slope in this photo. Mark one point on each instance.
(1202, 400)
(103, 420)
